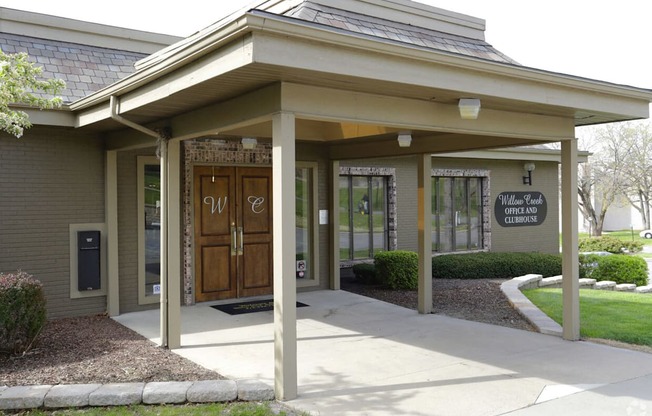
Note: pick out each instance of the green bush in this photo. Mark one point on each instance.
(495, 265)
(619, 268)
(398, 269)
(365, 273)
(22, 311)
(609, 244)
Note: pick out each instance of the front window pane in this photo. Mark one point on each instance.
(378, 213)
(303, 189)
(461, 214)
(446, 215)
(152, 193)
(361, 221)
(345, 219)
(475, 212)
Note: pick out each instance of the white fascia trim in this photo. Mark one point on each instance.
(515, 153)
(205, 42)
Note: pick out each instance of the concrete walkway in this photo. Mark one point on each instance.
(361, 356)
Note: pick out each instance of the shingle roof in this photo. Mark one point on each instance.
(398, 32)
(85, 69)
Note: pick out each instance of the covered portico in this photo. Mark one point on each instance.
(284, 80)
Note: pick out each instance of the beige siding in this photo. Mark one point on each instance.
(49, 179)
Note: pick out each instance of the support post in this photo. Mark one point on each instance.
(174, 245)
(285, 285)
(111, 218)
(335, 225)
(163, 154)
(424, 219)
(570, 251)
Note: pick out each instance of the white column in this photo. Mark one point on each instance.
(285, 285)
(335, 225)
(174, 274)
(111, 218)
(570, 252)
(424, 219)
(163, 150)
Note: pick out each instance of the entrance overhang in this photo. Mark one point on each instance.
(284, 80)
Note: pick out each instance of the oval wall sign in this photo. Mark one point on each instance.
(520, 209)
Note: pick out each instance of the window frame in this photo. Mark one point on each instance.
(143, 298)
(313, 227)
(484, 179)
(389, 175)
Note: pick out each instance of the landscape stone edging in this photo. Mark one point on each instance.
(79, 395)
(542, 322)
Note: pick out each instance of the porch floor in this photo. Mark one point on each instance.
(360, 356)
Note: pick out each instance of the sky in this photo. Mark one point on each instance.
(607, 41)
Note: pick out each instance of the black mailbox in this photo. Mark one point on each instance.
(88, 260)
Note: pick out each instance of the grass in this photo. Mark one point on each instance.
(231, 409)
(617, 316)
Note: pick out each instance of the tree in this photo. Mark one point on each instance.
(598, 181)
(20, 84)
(632, 143)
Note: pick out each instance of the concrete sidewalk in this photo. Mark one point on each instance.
(360, 356)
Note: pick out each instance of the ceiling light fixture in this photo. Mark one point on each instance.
(404, 139)
(469, 108)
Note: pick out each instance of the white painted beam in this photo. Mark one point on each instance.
(424, 219)
(111, 218)
(285, 285)
(570, 251)
(174, 237)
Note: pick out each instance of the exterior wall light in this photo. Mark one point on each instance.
(404, 139)
(529, 167)
(248, 143)
(469, 108)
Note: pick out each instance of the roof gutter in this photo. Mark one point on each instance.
(114, 103)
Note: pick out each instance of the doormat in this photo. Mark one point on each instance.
(239, 308)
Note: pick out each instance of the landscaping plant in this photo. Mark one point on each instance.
(398, 269)
(22, 311)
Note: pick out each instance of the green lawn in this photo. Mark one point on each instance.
(618, 316)
(230, 409)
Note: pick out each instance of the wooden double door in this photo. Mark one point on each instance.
(233, 232)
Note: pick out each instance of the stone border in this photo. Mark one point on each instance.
(120, 394)
(542, 322)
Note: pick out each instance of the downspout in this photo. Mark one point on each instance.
(114, 103)
(162, 142)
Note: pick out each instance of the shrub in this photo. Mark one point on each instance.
(619, 268)
(495, 265)
(398, 269)
(609, 244)
(365, 273)
(22, 311)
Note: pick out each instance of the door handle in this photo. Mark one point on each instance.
(234, 240)
(241, 238)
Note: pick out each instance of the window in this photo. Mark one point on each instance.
(306, 226)
(149, 230)
(363, 216)
(458, 213)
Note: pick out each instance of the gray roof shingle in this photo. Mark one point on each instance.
(85, 69)
(397, 32)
